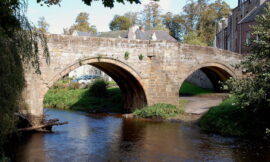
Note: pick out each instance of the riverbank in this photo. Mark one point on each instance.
(80, 100)
(228, 119)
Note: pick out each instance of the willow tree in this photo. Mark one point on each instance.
(18, 47)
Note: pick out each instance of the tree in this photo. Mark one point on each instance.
(175, 24)
(82, 24)
(194, 38)
(201, 17)
(209, 17)
(253, 91)
(120, 23)
(18, 48)
(133, 17)
(151, 16)
(43, 26)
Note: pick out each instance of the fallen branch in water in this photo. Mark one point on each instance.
(45, 126)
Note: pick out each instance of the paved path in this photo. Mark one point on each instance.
(201, 104)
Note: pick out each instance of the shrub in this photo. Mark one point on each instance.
(98, 88)
(158, 111)
(226, 119)
(126, 55)
(140, 57)
(73, 85)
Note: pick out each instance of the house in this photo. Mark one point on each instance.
(234, 33)
(136, 32)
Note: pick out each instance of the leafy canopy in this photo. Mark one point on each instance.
(120, 23)
(81, 24)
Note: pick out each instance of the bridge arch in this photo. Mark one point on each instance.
(128, 80)
(215, 72)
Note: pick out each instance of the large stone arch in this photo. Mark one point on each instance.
(127, 78)
(215, 71)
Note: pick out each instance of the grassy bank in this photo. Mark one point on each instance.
(191, 89)
(230, 120)
(80, 99)
(163, 111)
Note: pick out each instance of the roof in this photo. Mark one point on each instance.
(114, 34)
(159, 34)
(79, 33)
(141, 35)
(251, 16)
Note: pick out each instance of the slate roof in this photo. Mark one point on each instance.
(160, 35)
(141, 35)
(114, 34)
(87, 34)
(252, 15)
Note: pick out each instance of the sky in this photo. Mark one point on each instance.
(64, 16)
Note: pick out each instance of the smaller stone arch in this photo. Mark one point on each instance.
(129, 81)
(215, 71)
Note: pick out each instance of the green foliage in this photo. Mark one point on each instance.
(120, 23)
(140, 57)
(79, 99)
(200, 17)
(112, 84)
(81, 24)
(191, 89)
(43, 26)
(226, 119)
(193, 38)
(18, 47)
(151, 16)
(253, 91)
(98, 88)
(231, 120)
(175, 24)
(158, 111)
(126, 56)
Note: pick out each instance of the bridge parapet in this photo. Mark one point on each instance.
(154, 79)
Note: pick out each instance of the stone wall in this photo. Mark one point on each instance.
(200, 79)
(154, 79)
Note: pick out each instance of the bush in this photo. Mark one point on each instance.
(158, 111)
(98, 88)
(191, 89)
(73, 86)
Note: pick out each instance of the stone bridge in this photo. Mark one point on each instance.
(154, 78)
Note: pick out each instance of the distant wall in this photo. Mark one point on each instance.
(200, 79)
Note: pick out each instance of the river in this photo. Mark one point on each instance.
(112, 138)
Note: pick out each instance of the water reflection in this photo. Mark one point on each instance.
(111, 138)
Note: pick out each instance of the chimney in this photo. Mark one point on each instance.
(132, 32)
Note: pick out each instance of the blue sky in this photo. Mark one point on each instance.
(63, 16)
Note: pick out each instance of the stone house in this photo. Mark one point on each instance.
(234, 33)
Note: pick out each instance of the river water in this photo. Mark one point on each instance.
(112, 138)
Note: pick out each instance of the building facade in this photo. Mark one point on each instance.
(234, 33)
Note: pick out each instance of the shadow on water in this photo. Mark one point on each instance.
(103, 137)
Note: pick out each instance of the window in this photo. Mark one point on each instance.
(248, 38)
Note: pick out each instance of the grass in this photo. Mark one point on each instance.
(224, 119)
(191, 89)
(80, 99)
(230, 120)
(159, 111)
